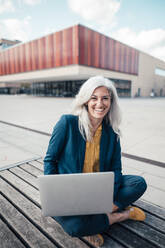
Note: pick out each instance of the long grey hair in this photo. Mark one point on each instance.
(113, 117)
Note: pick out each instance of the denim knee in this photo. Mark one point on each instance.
(142, 185)
(77, 229)
(133, 187)
(72, 225)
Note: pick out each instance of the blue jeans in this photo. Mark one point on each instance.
(131, 189)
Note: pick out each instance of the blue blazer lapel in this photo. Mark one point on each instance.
(82, 146)
(103, 146)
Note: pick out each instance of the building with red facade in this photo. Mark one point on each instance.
(57, 64)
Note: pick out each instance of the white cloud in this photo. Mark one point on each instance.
(101, 11)
(15, 29)
(6, 6)
(31, 2)
(149, 41)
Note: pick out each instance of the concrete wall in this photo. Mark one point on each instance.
(160, 80)
(147, 79)
(160, 85)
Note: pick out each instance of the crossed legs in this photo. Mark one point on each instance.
(132, 188)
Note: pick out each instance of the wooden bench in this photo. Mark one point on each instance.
(22, 225)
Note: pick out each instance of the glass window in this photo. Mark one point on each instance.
(160, 72)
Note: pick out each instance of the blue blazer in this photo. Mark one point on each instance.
(66, 153)
(66, 150)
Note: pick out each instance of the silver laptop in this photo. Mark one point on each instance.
(76, 194)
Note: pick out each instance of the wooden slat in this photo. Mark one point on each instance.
(155, 222)
(24, 187)
(146, 232)
(25, 176)
(111, 243)
(37, 165)
(31, 169)
(156, 210)
(46, 223)
(8, 238)
(127, 238)
(26, 230)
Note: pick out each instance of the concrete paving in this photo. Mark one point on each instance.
(18, 145)
(142, 127)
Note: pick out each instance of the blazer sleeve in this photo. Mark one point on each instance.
(55, 147)
(116, 165)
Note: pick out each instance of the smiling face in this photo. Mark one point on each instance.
(99, 104)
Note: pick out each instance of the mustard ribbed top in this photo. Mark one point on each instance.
(92, 152)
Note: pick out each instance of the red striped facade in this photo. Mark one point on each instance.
(75, 45)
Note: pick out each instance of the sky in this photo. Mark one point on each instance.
(138, 23)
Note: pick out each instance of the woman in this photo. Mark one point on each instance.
(89, 141)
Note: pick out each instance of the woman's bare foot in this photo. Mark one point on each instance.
(118, 217)
(114, 208)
